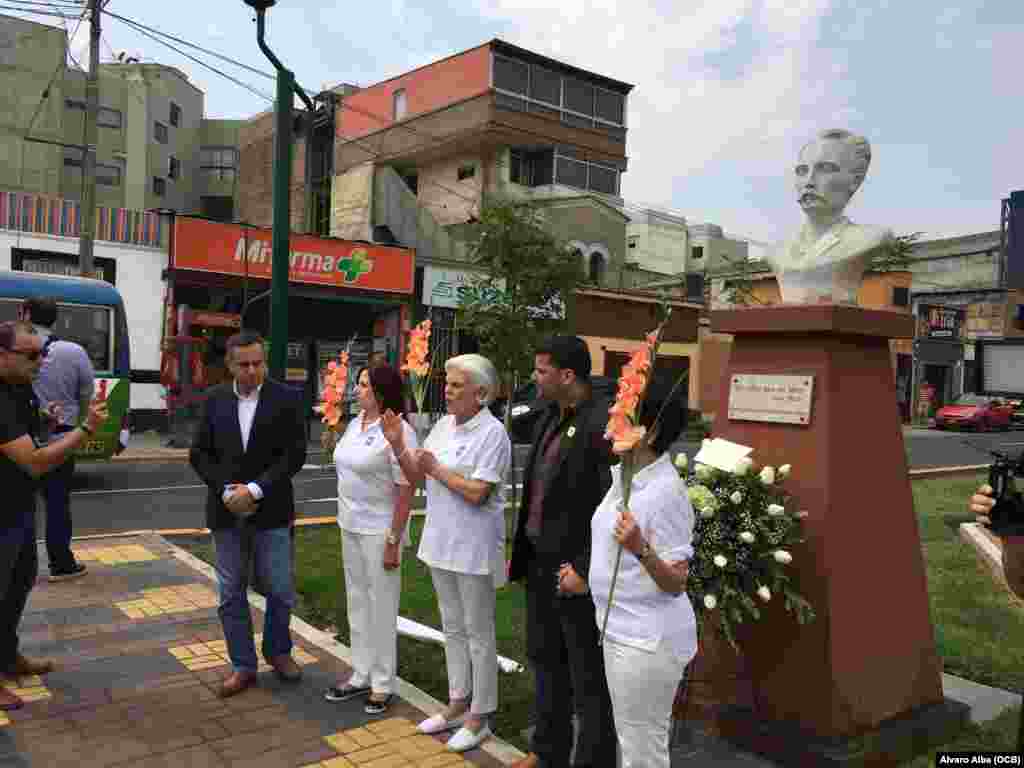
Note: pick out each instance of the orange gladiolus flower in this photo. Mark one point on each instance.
(333, 395)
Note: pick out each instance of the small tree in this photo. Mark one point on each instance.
(525, 291)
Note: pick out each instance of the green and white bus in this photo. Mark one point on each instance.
(90, 313)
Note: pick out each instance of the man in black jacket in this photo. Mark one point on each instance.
(250, 444)
(567, 476)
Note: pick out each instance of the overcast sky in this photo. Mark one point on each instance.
(726, 91)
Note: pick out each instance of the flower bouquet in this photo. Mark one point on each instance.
(743, 531)
(419, 371)
(331, 406)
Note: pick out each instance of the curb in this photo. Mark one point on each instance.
(500, 750)
(966, 469)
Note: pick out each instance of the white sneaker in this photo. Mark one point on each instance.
(465, 740)
(437, 724)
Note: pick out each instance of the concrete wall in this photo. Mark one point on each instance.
(657, 241)
(448, 199)
(412, 224)
(142, 289)
(255, 174)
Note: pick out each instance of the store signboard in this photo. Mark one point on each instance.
(443, 287)
(229, 249)
(940, 322)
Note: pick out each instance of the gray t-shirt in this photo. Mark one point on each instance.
(66, 377)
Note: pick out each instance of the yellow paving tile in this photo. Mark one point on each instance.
(419, 747)
(442, 760)
(342, 743)
(363, 737)
(391, 761)
(128, 553)
(336, 762)
(393, 730)
(369, 754)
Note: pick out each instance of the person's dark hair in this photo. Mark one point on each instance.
(9, 330)
(386, 384)
(42, 310)
(673, 417)
(243, 339)
(568, 352)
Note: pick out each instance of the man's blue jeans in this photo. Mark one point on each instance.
(56, 488)
(271, 552)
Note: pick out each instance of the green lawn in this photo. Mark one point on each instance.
(978, 625)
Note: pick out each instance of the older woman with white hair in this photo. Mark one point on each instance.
(465, 460)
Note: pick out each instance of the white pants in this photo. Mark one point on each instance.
(373, 595)
(467, 604)
(642, 687)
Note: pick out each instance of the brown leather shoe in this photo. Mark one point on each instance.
(530, 761)
(9, 701)
(24, 666)
(236, 683)
(286, 668)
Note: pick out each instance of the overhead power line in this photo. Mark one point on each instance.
(154, 37)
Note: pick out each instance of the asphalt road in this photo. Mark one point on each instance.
(122, 496)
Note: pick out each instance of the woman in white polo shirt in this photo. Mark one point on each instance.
(465, 459)
(374, 499)
(652, 630)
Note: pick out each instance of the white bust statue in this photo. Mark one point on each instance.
(827, 259)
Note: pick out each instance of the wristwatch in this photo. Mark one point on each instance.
(391, 539)
(644, 552)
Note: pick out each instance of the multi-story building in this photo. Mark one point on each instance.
(155, 149)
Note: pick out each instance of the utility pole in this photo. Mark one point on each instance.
(283, 116)
(92, 107)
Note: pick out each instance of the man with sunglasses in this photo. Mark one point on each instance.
(22, 463)
(65, 380)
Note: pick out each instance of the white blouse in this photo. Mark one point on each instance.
(368, 473)
(643, 615)
(459, 536)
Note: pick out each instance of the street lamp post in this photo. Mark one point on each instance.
(286, 90)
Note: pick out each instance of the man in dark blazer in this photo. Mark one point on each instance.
(567, 476)
(250, 443)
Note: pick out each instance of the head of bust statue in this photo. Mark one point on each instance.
(828, 172)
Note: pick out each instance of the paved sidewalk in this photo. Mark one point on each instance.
(140, 656)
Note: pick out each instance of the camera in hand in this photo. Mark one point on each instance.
(1007, 515)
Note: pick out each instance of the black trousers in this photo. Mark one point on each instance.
(562, 640)
(19, 563)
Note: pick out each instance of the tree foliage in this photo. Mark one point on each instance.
(525, 290)
(896, 253)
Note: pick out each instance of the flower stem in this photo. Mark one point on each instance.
(627, 481)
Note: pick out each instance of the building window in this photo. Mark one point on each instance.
(218, 163)
(900, 296)
(578, 96)
(466, 172)
(596, 268)
(604, 180)
(545, 86)
(175, 116)
(633, 242)
(512, 76)
(400, 104)
(532, 168)
(697, 252)
(74, 104)
(160, 132)
(159, 186)
(173, 167)
(572, 173)
(109, 118)
(108, 175)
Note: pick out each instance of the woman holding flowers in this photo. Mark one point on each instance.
(651, 631)
(465, 460)
(374, 500)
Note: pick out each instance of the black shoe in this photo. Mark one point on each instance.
(66, 574)
(345, 692)
(378, 706)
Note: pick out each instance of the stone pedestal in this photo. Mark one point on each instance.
(868, 664)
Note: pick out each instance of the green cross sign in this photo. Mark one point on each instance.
(355, 266)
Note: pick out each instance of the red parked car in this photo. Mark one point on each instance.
(975, 411)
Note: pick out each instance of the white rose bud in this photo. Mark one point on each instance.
(775, 509)
(767, 475)
(710, 602)
(705, 442)
(736, 497)
(802, 514)
(721, 561)
(681, 461)
(747, 537)
(784, 471)
(782, 556)
(743, 466)
(707, 512)
(764, 593)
